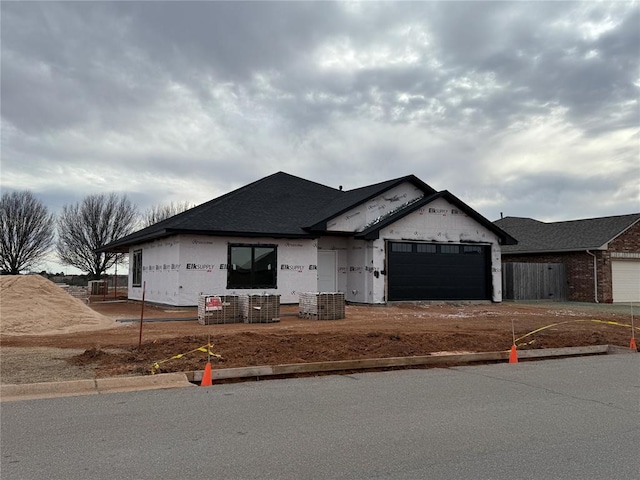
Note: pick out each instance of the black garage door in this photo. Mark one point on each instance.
(426, 271)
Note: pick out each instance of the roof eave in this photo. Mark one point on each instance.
(122, 247)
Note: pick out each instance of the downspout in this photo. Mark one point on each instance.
(595, 276)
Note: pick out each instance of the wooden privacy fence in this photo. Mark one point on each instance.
(534, 281)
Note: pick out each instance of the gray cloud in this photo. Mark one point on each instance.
(505, 104)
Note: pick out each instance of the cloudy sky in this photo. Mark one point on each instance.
(526, 108)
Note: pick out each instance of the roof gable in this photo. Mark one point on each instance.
(353, 198)
(372, 231)
(587, 234)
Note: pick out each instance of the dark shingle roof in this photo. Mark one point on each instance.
(280, 205)
(589, 234)
(277, 205)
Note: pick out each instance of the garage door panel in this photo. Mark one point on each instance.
(417, 282)
(625, 276)
(437, 275)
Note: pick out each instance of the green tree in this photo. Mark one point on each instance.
(91, 224)
(26, 232)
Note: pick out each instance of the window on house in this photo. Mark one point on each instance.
(449, 248)
(252, 266)
(137, 268)
(472, 249)
(426, 248)
(401, 247)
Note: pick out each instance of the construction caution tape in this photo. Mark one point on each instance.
(606, 322)
(205, 349)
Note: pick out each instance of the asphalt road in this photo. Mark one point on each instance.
(556, 419)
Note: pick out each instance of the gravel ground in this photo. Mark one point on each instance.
(40, 364)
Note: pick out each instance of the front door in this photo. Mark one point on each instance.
(327, 270)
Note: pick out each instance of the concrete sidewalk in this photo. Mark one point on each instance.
(31, 391)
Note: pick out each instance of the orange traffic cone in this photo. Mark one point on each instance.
(513, 355)
(206, 376)
(632, 344)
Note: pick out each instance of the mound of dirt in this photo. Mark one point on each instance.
(365, 332)
(33, 305)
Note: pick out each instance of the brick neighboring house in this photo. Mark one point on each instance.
(601, 255)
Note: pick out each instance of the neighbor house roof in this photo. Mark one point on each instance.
(588, 234)
(278, 206)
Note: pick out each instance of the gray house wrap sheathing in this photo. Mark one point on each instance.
(391, 241)
(601, 255)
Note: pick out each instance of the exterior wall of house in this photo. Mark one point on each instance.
(160, 271)
(200, 267)
(579, 266)
(355, 220)
(377, 272)
(356, 267)
(628, 242)
(442, 222)
(357, 280)
(363, 263)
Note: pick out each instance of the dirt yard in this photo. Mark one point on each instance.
(98, 349)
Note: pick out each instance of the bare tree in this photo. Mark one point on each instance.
(26, 232)
(157, 213)
(86, 226)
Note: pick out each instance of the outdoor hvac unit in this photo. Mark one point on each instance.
(322, 305)
(260, 308)
(213, 309)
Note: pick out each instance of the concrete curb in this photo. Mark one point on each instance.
(399, 362)
(30, 391)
